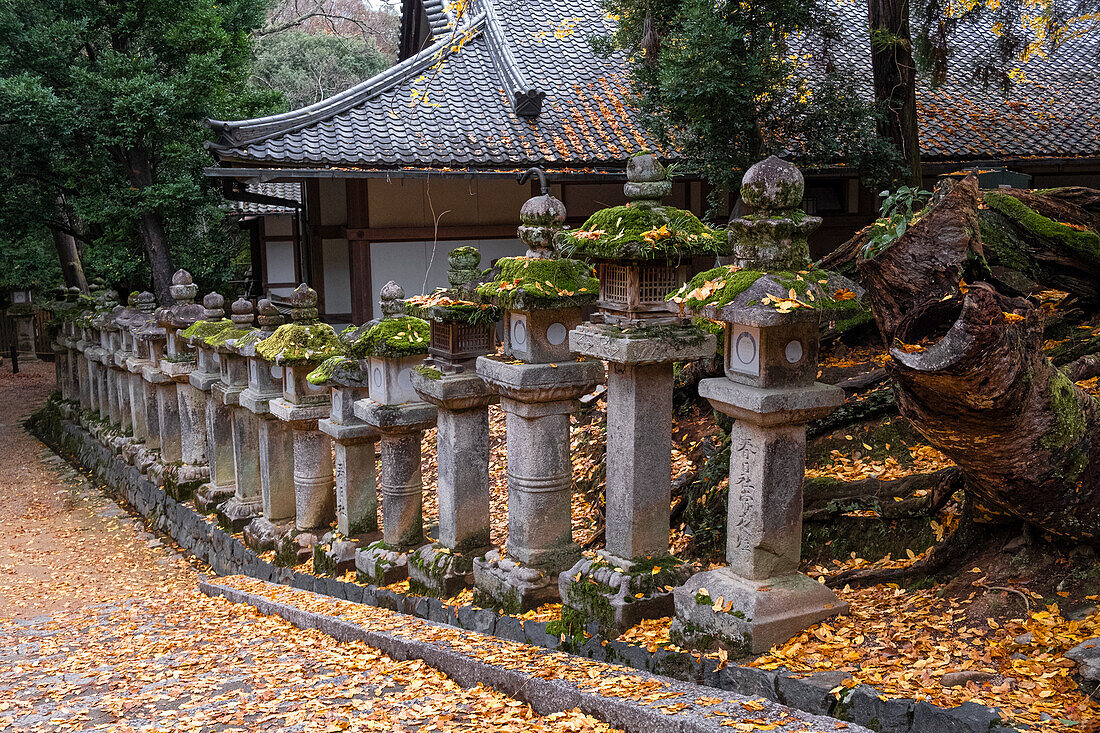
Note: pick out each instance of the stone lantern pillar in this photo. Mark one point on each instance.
(354, 447)
(58, 308)
(640, 337)
(760, 599)
(22, 311)
(123, 348)
(71, 339)
(461, 331)
(247, 500)
(298, 347)
(103, 322)
(391, 348)
(274, 445)
(143, 395)
(81, 344)
(538, 382)
(217, 428)
(177, 363)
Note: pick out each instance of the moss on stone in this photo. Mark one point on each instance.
(453, 311)
(228, 334)
(428, 372)
(206, 329)
(731, 283)
(393, 338)
(1084, 242)
(332, 366)
(643, 233)
(296, 343)
(530, 282)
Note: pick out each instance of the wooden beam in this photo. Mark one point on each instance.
(420, 234)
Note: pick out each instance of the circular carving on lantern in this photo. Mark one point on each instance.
(404, 379)
(519, 333)
(793, 352)
(376, 376)
(217, 359)
(313, 387)
(276, 371)
(557, 333)
(745, 348)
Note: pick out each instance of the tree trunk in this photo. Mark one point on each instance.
(895, 77)
(140, 172)
(1031, 241)
(971, 376)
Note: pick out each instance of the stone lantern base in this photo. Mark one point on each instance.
(763, 612)
(436, 570)
(618, 593)
(513, 587)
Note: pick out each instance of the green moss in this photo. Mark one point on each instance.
(206, 329)
(733, 282)
(295, 343)
(428, 372)
(330, 367)
(228, 334)
(643, 233)
(1086, 243)
(529, 282)
(393, 338)
(455, 311)
(717, 329)
(1066, 433)
(250, 339)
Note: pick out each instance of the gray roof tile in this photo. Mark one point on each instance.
(451, 105)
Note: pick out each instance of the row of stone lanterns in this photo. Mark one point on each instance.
(247, 416)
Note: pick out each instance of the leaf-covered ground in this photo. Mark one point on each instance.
(102, 628)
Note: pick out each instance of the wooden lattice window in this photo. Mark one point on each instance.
(614, 282)
(656, 282)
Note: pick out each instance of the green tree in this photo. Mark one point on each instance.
(722, 84)
(103, 102)
(307, 67)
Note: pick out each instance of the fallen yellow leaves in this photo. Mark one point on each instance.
(925, 459)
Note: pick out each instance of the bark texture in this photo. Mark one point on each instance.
(895, 74)
(971, 376)
(151, 223)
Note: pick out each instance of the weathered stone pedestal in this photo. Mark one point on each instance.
(176, 364)
(274, 445)
(23, 315)
(143, 393)
(632, 578)
(354, 450)
(216, 419)
(445, 568)
(401, 428)
(537, 400)
(246, 502)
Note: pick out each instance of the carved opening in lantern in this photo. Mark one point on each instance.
(456, 346)
(635, 291)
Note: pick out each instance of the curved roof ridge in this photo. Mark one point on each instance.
(500, 51)
(242, 132)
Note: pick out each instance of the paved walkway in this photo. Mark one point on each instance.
(102, 628)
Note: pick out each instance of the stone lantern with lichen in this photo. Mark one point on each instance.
(177, 362)
(274, 445)
(390, 349)
(538, 382)
(462, 330)
(219, 446)
(246, 502)
(143, 393)
(642, 252)
(298, 347)
(770, 313)
(124, 337)
(98, 355)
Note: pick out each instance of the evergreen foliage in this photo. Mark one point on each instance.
(308, 67)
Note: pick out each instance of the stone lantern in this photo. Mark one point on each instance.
(246, 502)
(640, 337)
(274, 444)
(354, 452)
(538, 382)
(391, 349)
(82, 342)
(59, 310)
(22, 311)
(177, 362)
(462, 330)
(97, 352)
(298, 347)
(203, 377)
(143, 401)
(760, 599)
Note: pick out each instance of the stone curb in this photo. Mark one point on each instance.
(227, 556)
(545, 696)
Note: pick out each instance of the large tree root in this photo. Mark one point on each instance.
(825, 499)
(957, 546)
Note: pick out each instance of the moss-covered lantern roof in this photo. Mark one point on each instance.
(644, 229)
(304, 339)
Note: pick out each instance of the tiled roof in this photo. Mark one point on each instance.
(289, 191)
(453, 104)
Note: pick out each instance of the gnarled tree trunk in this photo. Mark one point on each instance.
(971, 376)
